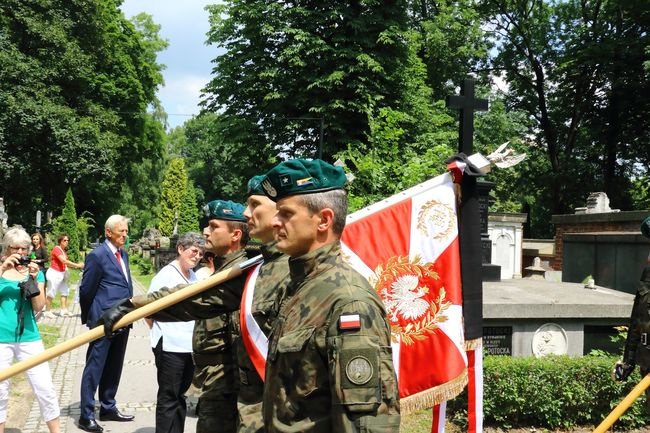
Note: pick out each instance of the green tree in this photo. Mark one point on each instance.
(407, 143)
(85, 223)
(219, 166)
(67, 223)
(76, 81)
(286, 68)
(173, 190)
(576, 69)
(452, 42)
(188, 215)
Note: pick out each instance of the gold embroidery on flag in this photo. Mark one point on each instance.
(412, 313)
(437, 217)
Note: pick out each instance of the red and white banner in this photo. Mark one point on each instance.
(407, 247)
(475, 389)
(255, 341)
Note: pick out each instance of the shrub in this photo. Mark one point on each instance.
(552, 392)
(145, 267)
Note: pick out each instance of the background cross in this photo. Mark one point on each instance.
(466, 103)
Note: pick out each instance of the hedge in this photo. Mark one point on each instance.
(552, 392)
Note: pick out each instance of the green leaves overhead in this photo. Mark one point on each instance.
(287, 66)
(75, 83)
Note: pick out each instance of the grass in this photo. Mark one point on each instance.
(144, 279)
(420, 422)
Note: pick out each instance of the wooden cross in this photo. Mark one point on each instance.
(466, 103)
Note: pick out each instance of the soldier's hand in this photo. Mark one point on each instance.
(113, 315)
(622, 371)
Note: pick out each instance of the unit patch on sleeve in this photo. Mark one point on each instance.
(359, 370)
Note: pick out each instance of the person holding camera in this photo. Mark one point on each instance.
(20, 297)
(57, 276)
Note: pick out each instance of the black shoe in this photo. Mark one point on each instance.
(115, 416)
(89, 425)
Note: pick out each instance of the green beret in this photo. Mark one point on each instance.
(224, 210)
(645, 227)
(255, 185)
(302, 176)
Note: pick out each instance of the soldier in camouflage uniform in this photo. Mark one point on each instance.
(215, 370)
(329, 366)
(637, 346)
(272, 277)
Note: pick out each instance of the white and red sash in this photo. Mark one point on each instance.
(255, 341)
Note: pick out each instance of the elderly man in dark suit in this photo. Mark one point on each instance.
(106, 280)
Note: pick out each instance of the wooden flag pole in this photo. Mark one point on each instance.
(137, 314)
(623, 405)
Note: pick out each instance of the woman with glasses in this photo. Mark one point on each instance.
(171, 342)
(20, 297)
(57, 277)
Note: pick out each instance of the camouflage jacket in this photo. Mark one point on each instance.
(637, 346)
(329, 366)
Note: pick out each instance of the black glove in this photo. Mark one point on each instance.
(622, 371)
(111, 316)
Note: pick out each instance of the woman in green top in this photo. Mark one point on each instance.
(20, 296)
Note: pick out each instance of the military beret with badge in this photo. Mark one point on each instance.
(254, 186)
(302, 176)
(225, 210)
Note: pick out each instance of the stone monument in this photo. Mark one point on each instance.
(505, 231)
(3, 217)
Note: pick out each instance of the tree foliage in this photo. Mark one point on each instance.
(76, 80)
(67, 223)
(220, 162)
(567, 80)
(188, 216)
(173, 191)
(286, 67)
(576, 69)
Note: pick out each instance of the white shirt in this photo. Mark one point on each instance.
(177, 335)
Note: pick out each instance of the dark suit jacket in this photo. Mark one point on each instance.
(103, 283)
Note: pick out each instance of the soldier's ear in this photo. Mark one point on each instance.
(236, 235)
(326, 219)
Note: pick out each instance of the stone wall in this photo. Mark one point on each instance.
(612, 222)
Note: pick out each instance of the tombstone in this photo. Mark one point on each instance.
(535, 271)
(166, 251)
(597, 202)
(531, 317)
(151, 237)
(603, 242)
(3, 217)
(505, 232)
(490, 270)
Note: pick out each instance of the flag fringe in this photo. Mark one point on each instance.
(473, 344)
(433, 396)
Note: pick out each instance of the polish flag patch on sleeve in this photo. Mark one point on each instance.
(349, 321)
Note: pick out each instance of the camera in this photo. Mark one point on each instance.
(24, 260)
(28, 289)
